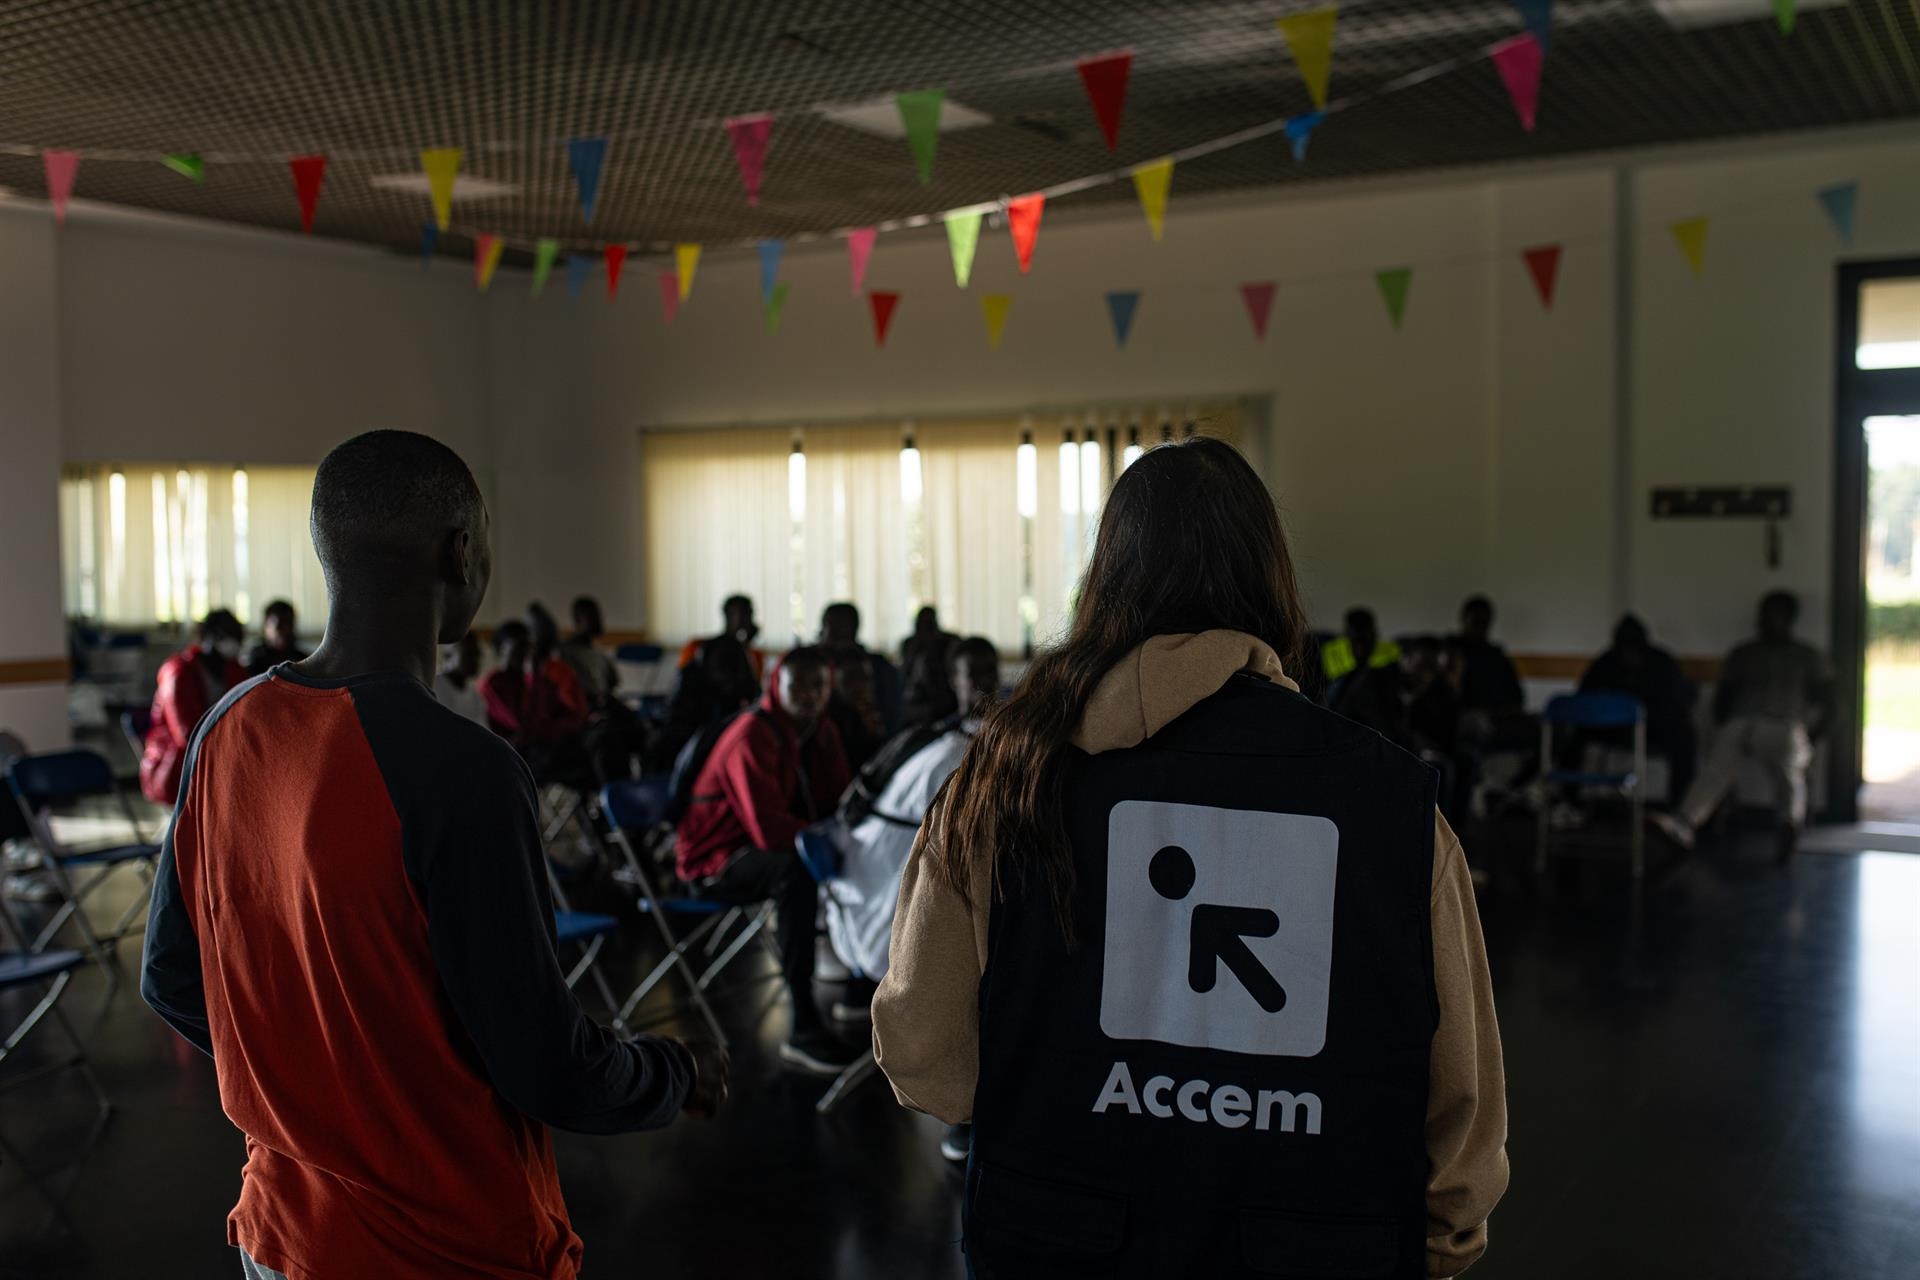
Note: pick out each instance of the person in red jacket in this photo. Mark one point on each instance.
(531, 702)
(774, 771)
(189, 683)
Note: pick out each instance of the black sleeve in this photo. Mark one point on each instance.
(170, 979)
(472, 846)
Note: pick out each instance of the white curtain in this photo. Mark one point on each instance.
(854, 537)
(170, 543)
(975, 535)
(718, 523)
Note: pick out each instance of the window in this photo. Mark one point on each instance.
(146, 544)
(990, 521)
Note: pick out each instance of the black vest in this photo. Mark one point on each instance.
(1226, 1075)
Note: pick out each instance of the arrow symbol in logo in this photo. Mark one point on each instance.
(1219, 935)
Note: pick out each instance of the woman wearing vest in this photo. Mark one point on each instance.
(1199, 959)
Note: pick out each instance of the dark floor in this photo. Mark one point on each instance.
(1724, 1082)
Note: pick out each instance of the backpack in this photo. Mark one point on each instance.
(692, 758)
(862, 796)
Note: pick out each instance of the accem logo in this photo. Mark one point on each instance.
(1229, 1106)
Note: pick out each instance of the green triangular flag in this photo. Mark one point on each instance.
(920, 113)
(186, 164)
(1393, 288)
(544, 252)
(963, 237)
(775, 304)
(1783, 13)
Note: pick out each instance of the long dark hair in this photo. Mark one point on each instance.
(1190, 541)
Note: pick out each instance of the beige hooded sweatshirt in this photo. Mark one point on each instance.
(926, 1016)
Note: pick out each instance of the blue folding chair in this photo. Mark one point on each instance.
(636, 810)
(1594, 711)
(821, 857)
(44, 783)
(51, 971)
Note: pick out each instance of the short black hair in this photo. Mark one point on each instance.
(1784, 601)
(736, 602)
(220, 620)
(541, 626)
(583, 603)
(808, 656)
(281, 609)
(510, 630)
(842, 609)
(973, 649)
(385, 498)
(1362, 619)
(1477, 603)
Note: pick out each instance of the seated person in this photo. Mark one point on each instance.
(852, 707)
(1773, 700)
(1488, 681)
(1433, 708)
(593, 666)
(188, 686)
(1363, 676)
(1634, 666)
(718, 685)
(924, 659)
(279, 639)
(456, 685)
(881, 813)
(527, 703)
(737, 613)
(771, 774)
(1357, 648)
(840, 637)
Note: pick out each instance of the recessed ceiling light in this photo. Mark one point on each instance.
(882, 118)
(465, 186)
(1712, 13)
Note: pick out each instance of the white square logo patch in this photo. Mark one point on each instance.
(1219, 927)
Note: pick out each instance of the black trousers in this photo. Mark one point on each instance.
(762, 875)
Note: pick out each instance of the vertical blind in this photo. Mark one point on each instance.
(991, 521)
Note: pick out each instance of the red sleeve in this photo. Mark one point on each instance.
(688, 652)
(182, 695)
(756, 794)
(502, 715)
(573, 711)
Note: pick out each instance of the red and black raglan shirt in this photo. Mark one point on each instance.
(352, 917)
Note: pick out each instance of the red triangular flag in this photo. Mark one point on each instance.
(308, 173)
(1259, 299)
(1023, 219)
(669, 294)
(616, 256)
(1544, 264)
(883, 305)
(1105, 78)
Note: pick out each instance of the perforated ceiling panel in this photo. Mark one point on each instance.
(369, 82)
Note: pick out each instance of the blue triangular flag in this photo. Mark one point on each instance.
(1121, 306)
(1838, 201)
(579, 269)
(1538, 15)
(429, 241)
(1299, 129)
(770, 251)
(584, 157)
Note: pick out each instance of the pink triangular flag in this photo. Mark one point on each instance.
(1518, 61)
(61, 167)
(749, 134)
(1023, 220)
(1543, 264)
(859, 250)
(616, 256)
(1259, 299)
(669, 294)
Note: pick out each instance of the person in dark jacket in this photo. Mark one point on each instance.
(1635, 666)
(853, 708)
(189, 684)
(771, 774)
(840, 637)
(1489, 682)
(1198, 958)
(279, 639)
(924, 657)
(718, 683)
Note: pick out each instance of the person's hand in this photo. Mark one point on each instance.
(709, 1078)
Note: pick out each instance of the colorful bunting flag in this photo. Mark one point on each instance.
(1691, 235)
(670, 295)
(486, 258)
(1538, 15)
(441, 165)
(859, 251)
(1393, 290)
(187, 164)
(586, 157)
(1838, 200)
(1543, 264)
(616, 258)
(1150, 183)
(883, 305)
(61, 166)
(309, 172)
(429, 241)
(1258, 295)
(920, 114)
(770, 252)
(1310, 39)
(993, 309)
(1299, 130)
(963, 238)
(579, 269)
(1105, 79)
(749, 135)
(1023, 220)
(1120, 309)
(775, 304)
(1784, 13)
(1518, 61)
(686, 260)
(544, 254)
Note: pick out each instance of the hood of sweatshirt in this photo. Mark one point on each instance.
(1160, 681)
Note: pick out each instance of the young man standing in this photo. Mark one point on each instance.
(364, 944)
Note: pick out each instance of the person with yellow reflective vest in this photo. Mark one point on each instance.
(1359, 645)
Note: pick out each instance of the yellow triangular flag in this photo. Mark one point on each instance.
(1310, 38)
(441, 164)
(993, 308)
(686, 257)
(1150, 183)
(1691, 235)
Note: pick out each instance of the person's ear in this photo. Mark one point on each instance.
(462, 558)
